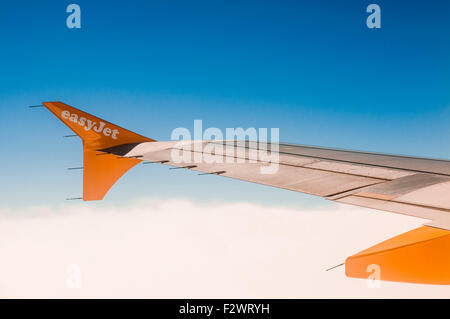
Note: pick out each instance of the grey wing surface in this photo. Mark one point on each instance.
(413, 186)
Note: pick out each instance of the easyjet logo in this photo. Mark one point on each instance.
(89, 125)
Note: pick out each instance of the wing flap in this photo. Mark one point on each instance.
(362, 170)
(438, 216)
(437, 195)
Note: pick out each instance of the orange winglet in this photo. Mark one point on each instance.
(100, 171)
(420, 256)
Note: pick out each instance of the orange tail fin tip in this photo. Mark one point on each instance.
(100, 172)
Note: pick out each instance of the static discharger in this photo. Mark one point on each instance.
(188, 167)
(342, 264)
(137, 156)
(74, 198)
(213, 173)
(158, 162)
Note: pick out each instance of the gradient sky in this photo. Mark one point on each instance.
(311, 68)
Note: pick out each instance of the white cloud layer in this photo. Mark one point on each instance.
(184, 249)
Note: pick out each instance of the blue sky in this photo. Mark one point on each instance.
(311, 68)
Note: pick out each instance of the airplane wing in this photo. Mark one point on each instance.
(412, 186)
